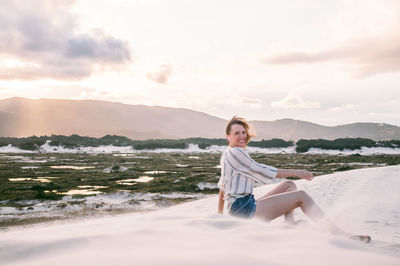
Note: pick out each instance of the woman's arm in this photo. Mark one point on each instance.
(303, 174)
(241, 162)
(221, 202)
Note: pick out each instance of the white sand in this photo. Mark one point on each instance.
(193, 148)
(361, 201)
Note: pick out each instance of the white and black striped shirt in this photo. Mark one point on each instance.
(239, 172)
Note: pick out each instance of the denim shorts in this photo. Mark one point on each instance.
(244, 207)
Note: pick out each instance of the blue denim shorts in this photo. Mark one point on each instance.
(244, 207)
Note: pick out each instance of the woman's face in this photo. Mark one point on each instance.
(237, 137)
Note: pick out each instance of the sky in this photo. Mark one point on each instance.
(329, 62)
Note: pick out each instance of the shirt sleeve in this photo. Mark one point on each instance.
(241, 162)
(220, 182)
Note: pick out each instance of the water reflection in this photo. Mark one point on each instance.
(81, 192)
(92, 187)
(144, 179)
(130, 182)
(19, 179)
(155, 172)
(29, 167)
(71, 167)
(45, 179)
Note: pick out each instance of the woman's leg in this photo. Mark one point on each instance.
(276, 205)
(285, 186)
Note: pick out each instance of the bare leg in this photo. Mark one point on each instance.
(285, 186)
(276, 205)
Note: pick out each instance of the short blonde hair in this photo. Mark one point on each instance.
(240, 121)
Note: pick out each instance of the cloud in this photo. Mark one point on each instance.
(344, 107)
(91, 93)
(384, 115)
(302, 57)
(250, 102)
(45, 37)
(365, 57)
(161, 75)
(293, 100)
(365, 37)
(100, 48)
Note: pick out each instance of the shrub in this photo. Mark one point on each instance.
(337, 144)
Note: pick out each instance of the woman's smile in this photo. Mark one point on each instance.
(237, 136)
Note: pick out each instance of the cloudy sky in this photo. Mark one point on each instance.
(325, 61)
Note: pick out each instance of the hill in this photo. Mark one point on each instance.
(21, 117)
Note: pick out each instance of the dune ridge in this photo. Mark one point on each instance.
(360, 201)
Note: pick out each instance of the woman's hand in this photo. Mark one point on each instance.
(304, 174)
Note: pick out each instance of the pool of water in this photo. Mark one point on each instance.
(71, 167)
(130, 182)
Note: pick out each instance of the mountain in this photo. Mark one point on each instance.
(25, 117)
(21, 117)
(291, 129)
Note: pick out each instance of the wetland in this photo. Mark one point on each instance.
(38, 187)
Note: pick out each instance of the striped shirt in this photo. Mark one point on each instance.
(239, 172)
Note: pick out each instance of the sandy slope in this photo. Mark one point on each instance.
(361, 201)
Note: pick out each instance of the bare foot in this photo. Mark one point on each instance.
(362, 238)
(297, 223)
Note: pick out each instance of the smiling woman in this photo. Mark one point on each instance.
(240, 132)
(239, 172)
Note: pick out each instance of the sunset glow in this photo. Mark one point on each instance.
(328, 62)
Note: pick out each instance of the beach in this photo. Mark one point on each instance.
(119, 118)
(363, 201)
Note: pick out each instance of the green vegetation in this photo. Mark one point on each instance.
(29, 179)
(273, 143)
(75, 141)
(343, 143)
(171, 172)
(30, 143)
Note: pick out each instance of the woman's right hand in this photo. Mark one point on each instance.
(304, 174)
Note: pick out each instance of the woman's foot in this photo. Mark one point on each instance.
(362, 238)
(297, 223)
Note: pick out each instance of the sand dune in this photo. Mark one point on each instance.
(194, 148)
(360, 201)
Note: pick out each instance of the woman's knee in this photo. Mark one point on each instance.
(302, 194)
(291, 186)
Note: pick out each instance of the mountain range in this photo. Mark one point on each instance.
(21, 117)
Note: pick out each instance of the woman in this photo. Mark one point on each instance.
(239, 172)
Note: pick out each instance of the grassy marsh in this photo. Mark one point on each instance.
(65, 181)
